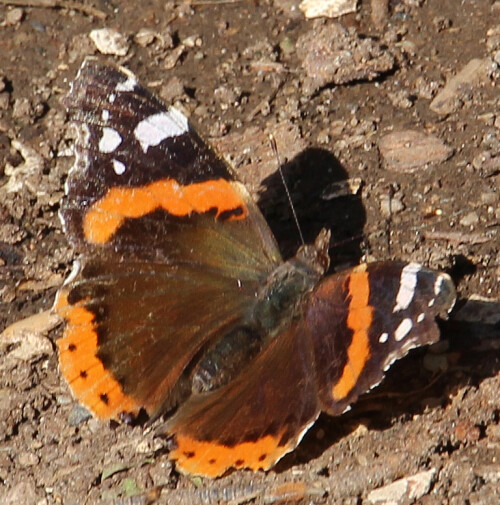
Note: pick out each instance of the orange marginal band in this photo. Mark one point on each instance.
(359, 320)
(91, 384)
(211, 459)
(108, 214)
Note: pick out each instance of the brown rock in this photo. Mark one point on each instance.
(331, 54)
(475, 73)
(409, 150)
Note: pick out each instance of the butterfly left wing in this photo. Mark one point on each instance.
(172, 249)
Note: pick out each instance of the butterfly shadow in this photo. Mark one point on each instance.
(310, 177)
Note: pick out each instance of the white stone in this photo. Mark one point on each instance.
(110, 41)
(327, 8)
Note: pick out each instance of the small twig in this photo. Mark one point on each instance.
(457, 237)
(58, 4)
(195, 3)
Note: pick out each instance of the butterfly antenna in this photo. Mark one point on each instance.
(272, 140)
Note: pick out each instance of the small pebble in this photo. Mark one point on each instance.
(226, 96)
(327, 8)
(143, 447)
(480, 159)
(26, 458)
(14, 16)
(493, 38)
(110, 41)
(390, 205)
(173, 57)
(145, 37)
(466, 431)
(470, 219)
(475, 73)
(401, 99)
(406, 490)
(172, 90)
(493, 432)
(77, 415)
(489, 198)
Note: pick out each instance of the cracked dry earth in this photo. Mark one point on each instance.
(390, 134)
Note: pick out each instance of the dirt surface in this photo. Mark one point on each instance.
(240, 70)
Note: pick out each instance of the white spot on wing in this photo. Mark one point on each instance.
(438, 284)
(119, 167)
(112, 97)
(127, 85)
(432, 301)
(420, 317)
(403, 329)
(105, 115)
(110, 140)
(152, 130)
(407, 285)
(74, 272)
(383, 338)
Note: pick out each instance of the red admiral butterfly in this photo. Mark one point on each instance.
(180, 302)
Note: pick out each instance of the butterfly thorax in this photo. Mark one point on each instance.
(280, 299)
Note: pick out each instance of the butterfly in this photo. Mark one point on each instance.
(180, 304)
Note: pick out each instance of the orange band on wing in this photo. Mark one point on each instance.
(91, 384)
(210, 459)
(107, 215)
(359, 319)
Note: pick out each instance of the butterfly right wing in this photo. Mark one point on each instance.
(354, 325)
(365, 318)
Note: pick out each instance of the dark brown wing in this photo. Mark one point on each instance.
(354, 325)
(257, 418)
(172, 247)
(364, 319)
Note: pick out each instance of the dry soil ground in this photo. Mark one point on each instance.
(240, 69)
